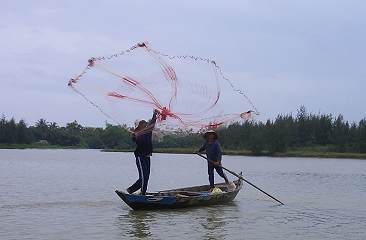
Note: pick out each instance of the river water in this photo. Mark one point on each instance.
(69, 194)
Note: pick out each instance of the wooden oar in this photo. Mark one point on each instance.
(237, 175)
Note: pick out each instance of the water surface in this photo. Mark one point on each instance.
(69, 194)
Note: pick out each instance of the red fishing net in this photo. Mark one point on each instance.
(190, 92)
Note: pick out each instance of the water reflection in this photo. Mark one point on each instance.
(136, 224)
(214, 222)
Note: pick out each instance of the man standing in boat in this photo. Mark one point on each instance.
(214, 153)
(142, 136)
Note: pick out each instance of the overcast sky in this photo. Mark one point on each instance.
(283, 54)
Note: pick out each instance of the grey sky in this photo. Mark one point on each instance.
(282, 54)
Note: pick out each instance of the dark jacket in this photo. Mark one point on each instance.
(143, 140)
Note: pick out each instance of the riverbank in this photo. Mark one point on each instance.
(311, 153)
(308, 153)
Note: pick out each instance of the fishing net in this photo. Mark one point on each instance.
(190, 92)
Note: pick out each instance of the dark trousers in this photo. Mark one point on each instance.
(219, 171)
(143, 167)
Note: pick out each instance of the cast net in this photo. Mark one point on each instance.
(190, 92)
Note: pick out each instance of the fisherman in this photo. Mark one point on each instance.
(142, 136)
(214, 153)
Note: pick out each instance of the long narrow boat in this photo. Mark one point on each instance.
(183, 197)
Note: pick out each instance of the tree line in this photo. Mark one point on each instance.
(285, 133)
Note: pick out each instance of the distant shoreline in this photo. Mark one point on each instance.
(306, 154)
(309, 154)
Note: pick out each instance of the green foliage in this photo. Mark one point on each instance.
(116, 137)
(286, 134)
(257, 142)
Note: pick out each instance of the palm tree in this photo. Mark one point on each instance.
(42, 128)
(53, 130)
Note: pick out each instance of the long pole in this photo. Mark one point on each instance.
(237, 175)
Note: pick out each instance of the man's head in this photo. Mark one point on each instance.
(140, 123)
(209, 134)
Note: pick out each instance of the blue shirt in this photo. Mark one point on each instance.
(213, 150)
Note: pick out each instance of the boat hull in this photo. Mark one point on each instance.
(181, 198)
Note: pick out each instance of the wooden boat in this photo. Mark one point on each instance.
(182, 197)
